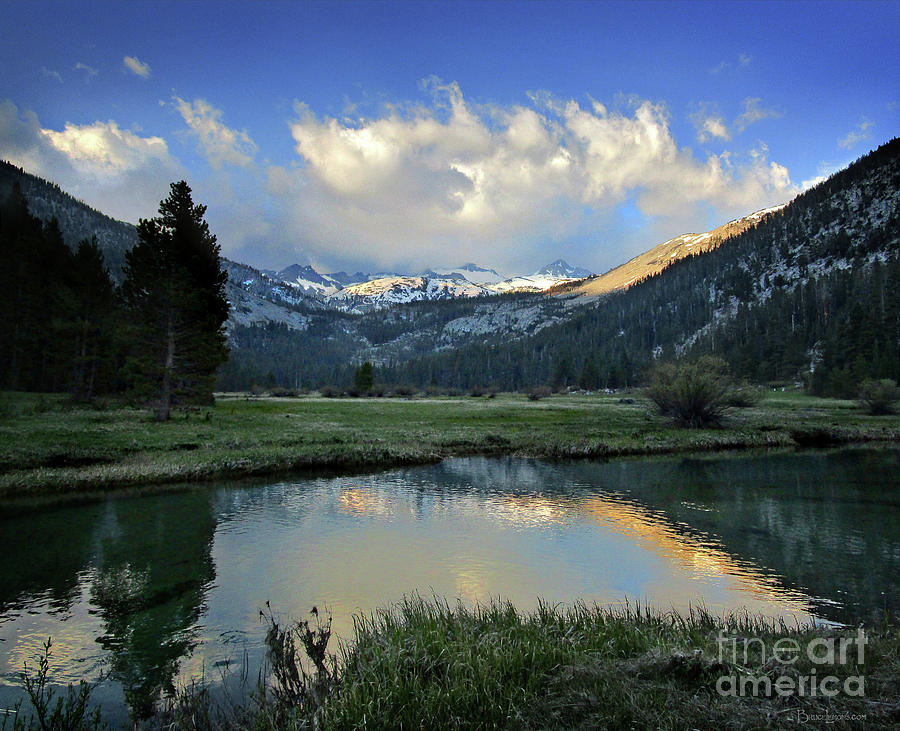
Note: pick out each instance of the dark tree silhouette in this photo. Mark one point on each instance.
(174, 297)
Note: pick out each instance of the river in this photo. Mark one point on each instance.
(155, 590)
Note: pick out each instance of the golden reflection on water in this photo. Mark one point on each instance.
(364, 501)
(699, 557)
(695, 556)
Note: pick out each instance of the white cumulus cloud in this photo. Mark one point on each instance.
(218, 142)
(433, 184)
(114, 170)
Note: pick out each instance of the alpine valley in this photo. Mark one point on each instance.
(806, 292)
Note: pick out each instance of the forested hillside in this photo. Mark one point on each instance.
(76, 220)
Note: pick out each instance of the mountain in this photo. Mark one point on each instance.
(389, 291)
(470, 272)
(77, 220)
(366, 292)
(805, 292)
(256, 299)
(309, 281)
(560, 269)
(652, 262)
(553, 275)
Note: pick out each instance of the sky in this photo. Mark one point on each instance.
(396, 136)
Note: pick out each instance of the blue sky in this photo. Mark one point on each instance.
(391, 135)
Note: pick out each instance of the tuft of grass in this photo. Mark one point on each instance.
(48, 711)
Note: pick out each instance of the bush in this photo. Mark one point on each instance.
(539, 392)
(744, 395)
(695, 395)
(404, 390)
(280, 392)
(879, 397)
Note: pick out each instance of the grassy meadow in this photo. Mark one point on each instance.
(49, 446)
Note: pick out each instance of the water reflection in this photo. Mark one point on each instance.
(127, 582)
(154, 590)
(153, 570)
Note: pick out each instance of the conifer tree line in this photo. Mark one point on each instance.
(64, 326)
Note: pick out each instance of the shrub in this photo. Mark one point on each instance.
(539, 392)
(744, 395)
(404, 390)
(695, 395)
(280, 392)
(879, 397)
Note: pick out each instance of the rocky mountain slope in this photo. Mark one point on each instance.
(652, 262)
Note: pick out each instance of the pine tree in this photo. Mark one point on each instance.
(91, 321)
(364, 378)
(174, 297)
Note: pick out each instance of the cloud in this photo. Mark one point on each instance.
(219, 143)
(753, 113)
(89, 71)
(709, 124)
(112, 169)
(743, 61)
(52, 74)
(430, 184)
(137, 67)
(857, 135)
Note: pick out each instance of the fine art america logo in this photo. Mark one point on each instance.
(783, 659)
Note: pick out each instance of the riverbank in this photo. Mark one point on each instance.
(423, 664)
(430, 664)
(51, 448)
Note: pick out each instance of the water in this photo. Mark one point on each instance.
(152, 591)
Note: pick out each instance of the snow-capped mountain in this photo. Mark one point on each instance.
(309, 281)
(388, 291)
(363, 292)
(561, 269)
(558, 272)
(470, 272)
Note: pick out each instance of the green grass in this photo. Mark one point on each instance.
(428, 664)
(48, 446)
(425, 664)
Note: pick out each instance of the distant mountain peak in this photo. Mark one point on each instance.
(471, 267)
(563, 270)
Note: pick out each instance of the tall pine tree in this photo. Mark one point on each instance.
(174, 297)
